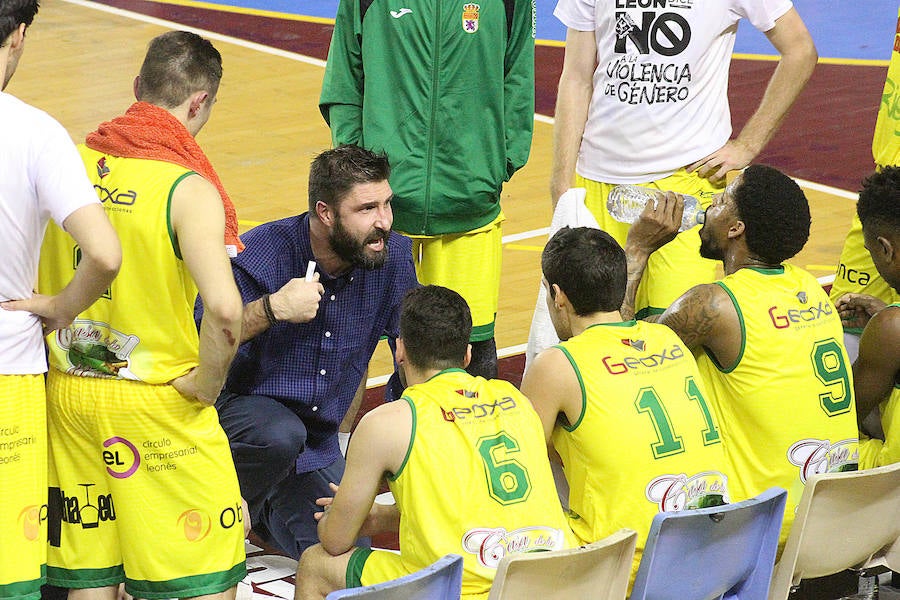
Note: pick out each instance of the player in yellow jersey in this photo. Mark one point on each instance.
(42, 180)
(768, 339)
(621, 401)
(143, 487)
(876, 372)
(856, 274)
(464, 457)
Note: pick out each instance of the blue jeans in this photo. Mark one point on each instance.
(266, 438)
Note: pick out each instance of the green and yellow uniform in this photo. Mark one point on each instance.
(476, 482)
(127, 450)
(23, 468)
(646, 440)
(856, 272)
(786, 404)
(677, 266)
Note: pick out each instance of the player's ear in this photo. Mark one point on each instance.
(468, 358)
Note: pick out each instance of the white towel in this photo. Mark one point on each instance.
(570, 211)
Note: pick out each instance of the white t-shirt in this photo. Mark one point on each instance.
(41, 177)
(660, 96)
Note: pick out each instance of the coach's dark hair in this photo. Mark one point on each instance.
(589, 266)
(177, 64)
(775, 213)
(13, 13)
(879, 202)
(435, 325)
(334, 172)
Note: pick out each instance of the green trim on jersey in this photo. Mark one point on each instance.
(779, 270)
(355, 567)
(740, 315)
(484, 332)
(412, 433)
(630, 323)
(648, 312)
(583, 391)
(172, 237)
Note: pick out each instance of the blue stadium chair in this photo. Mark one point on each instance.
(845, 520)
(725, 552)
(441, 580)
(598, 571)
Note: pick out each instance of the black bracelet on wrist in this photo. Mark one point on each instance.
(267, 308)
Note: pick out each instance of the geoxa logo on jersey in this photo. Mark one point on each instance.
(619, 365)
(115, 196)
(783, 318)
(478, 410)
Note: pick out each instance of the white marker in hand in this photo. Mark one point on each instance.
(310, 270)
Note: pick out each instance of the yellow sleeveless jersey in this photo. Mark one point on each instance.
(886, 141)
(878, 453)
(646, 441)
(143, 326)
(856, 272)
(786, 407)
(476, 480)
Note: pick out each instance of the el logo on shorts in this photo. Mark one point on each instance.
(121, 457)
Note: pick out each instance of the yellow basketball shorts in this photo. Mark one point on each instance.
(468, 263)
(677, 266)
(142, 490)
(368, 567)
(23, 472)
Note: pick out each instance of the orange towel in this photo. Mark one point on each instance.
(148, 131)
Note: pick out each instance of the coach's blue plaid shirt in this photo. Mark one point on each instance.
(315, 368)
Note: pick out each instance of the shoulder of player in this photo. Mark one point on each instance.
(884, 329)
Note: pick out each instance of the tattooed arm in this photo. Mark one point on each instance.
(704, 317)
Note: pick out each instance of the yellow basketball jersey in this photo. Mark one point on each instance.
(856, 272)
(786, 406)
(886, 141)
(143, 326)
(646, 441)
(476, 480)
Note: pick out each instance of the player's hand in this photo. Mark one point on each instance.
(246, 512)
(298, 300)
(855, 310)
(46, 307)
(730, 157)
(325, 502)
(191, 386)
(657, 225)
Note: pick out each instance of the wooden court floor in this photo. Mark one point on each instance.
(81, 58)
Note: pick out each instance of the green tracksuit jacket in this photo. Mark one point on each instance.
(446, 89)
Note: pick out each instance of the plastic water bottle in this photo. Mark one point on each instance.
(626, 202)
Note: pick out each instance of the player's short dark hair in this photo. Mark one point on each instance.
(879, 202)
(775, 213)
(589, 266)
(435, 325)
(177, 64)
(333, 173)
(13, 13)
